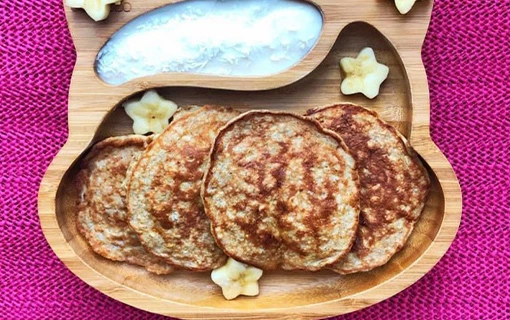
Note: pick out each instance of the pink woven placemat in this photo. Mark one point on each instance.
(467, 56)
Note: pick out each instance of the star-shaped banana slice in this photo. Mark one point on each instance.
(151, 113)
(363, 74)
(404, 6)
(96, 9)
(236, 278)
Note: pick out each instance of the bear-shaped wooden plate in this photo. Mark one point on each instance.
(95, 112)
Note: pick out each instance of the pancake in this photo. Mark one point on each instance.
(281, 192)
(394, 184)
(184, 110)
(164, 202)
(102, 213)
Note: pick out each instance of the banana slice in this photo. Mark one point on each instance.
(236, 278)
(96, 9)
(404, 6)
(363, 74)
(151, 113)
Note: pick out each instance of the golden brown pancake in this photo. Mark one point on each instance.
(394, 184)
(165, 208)
(102, 213)
(281, 192)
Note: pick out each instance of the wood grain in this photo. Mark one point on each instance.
(94, 114)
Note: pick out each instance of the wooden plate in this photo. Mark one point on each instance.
(348, 27)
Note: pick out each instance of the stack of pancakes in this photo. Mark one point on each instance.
(338, 188)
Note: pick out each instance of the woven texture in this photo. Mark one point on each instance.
(468, 63)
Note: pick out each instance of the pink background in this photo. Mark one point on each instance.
(467, 56)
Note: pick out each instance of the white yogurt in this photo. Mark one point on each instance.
(222, 37)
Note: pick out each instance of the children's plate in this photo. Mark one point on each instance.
(95, 112)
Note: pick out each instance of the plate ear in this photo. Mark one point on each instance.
(397, 27)
(90, 35)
